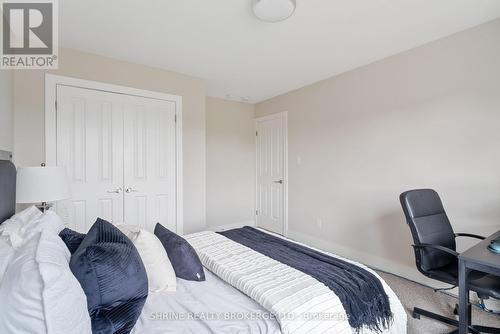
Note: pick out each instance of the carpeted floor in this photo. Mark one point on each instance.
(412, 294)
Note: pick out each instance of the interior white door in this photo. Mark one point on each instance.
(270, 178)
(90, 145)
(149, 162)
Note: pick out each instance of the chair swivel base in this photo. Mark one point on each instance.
(417, 312)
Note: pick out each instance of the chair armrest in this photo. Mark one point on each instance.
(469, 235)
(441, 248)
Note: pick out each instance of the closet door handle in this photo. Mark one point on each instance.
(117, 191)
(129, 190)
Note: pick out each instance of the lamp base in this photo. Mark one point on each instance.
(44, 206)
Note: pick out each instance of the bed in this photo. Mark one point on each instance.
(221, 308)
(245, 291)
(212, 306)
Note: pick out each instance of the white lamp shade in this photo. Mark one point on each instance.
(273, 10)
(42, 184)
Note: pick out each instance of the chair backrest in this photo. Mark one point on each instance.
(429, 224)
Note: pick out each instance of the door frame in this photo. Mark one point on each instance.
(283, 116)
(51, 83)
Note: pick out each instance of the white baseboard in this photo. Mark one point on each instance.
(225, 227)
(378, 263)
(373, 261)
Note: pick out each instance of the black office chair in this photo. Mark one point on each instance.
(435, 251)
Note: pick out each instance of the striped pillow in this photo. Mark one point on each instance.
(72, 239)
(111, 273)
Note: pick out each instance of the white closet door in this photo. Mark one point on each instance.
(90, 146)
(149, 162)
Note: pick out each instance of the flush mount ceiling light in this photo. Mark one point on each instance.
(273, 10)
(243, 99)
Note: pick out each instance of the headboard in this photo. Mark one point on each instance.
(7, 190)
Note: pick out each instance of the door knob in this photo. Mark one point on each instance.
(279, 181)
(117, 191)
(130, 190)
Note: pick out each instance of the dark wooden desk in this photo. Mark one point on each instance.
(476, 258)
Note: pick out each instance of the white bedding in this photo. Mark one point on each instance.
(213, 297)
(399, 325)
(38, 286)
(304, 304)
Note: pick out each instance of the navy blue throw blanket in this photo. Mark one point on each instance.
(360, 292)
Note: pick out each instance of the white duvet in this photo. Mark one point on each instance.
(215, 306)
(212, 306)
(301, 303)
(38, 291)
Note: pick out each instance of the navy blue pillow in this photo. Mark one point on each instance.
(186, 263)
(72, 239)
(113, 277)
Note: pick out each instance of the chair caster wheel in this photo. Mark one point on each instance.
(455, 310)
(415, 315)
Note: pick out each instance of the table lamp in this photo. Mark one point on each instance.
(42, 185)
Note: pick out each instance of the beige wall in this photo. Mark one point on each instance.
(429, 117)
(6, 111)
(29, 133)
(230, 162)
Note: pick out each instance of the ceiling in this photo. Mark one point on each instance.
(222, 42)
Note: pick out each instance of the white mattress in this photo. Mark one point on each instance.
(212, 297)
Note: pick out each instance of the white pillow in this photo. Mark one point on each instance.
(49, 220)
(13, 224)
(12, 227)
(161, 274)
(30, 221)
(6, 253)
(39, 293)
(26, 215)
